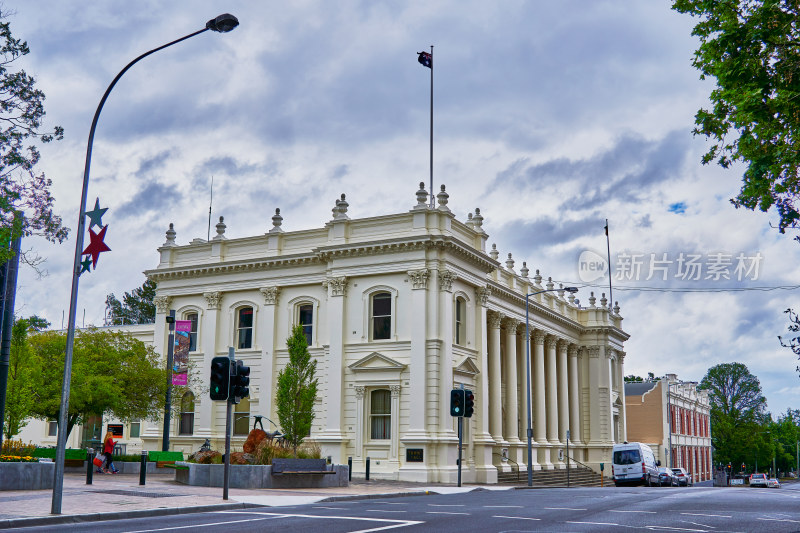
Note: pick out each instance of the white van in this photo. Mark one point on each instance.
(633, 463)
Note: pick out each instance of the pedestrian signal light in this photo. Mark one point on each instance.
(457, 402)
(220, 378)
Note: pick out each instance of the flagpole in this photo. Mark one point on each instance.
(433, 194)
(608, 250)
(210, 201)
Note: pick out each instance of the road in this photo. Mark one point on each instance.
(692, 509)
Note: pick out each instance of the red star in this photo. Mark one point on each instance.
(96, 246)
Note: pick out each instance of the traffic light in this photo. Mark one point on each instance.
(469, 403)
(240, 382)
(220, 378)
(457, 402)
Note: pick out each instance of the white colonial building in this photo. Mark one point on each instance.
(398, 310)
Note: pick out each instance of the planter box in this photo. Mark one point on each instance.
(26, 476)
(257, 477)
(124, 468)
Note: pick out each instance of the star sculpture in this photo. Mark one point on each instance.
(96, 246)
(86, 265)
(96, 214)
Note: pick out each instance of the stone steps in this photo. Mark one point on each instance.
(581, 476)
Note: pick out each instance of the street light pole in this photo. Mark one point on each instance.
(222, 24)
(528, 373)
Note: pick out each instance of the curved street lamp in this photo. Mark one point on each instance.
(528, 374)
(221, 24)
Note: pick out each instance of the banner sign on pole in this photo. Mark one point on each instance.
(180, 367)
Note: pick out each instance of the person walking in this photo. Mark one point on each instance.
(108, 450)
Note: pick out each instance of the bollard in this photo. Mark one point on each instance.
(349, 469)
(367, 468)
(143, 468)
(89, 466)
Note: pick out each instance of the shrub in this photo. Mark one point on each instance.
(17, 448)
(267, 450)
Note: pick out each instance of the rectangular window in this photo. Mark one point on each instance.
(382, 316)
(306, 319)
(241, 417)
(52, 428)
(136, 427)
(187, 424)
(380, 414)
(192, 317)
(459, 321)
(245, 328)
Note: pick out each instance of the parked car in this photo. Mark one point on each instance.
(773, 483)
(683, 477)
(633, 463)
(666, 478)
(758, 480)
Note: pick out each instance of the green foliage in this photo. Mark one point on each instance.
(21, 116)
(112, 374)
(737, 414)
(267, 450)
(17, 448)
(752, 49)
(297, 389)
(638, 379)
(136, 307)
(19, 392)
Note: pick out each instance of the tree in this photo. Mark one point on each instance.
(19, 396)
(136, 307)
(21, 115)
(794, 327)
(112, 373)
(297, 389)
(737, 413)
(752, 49)
(638, 379)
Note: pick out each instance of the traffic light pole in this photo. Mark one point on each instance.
(228, 417)
(168, 401)
(460, 434)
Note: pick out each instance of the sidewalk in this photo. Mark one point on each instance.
(120, 496)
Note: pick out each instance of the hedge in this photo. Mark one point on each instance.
(50, 453)
(165, 456)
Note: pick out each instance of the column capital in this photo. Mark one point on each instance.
(550, 341)
(610, 351)
(594, 351)
(573, 350)
(270, 294)
(562, 344)
(446, 279)
(538, 337)
(511, 324)
(213, 299)
(621, 356)
(162, 303)
(419, 278)
(395, 390)
(495, 319)
(482, 294)
(337, 285)
(360, 391)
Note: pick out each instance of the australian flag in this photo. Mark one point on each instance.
(425, 59)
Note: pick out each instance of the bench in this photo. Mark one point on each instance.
(171, 465)
(282, 467)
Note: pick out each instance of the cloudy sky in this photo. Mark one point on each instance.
(549, 116)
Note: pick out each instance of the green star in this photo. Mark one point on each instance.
(96, 214)
(86, 265)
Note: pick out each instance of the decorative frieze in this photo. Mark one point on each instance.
(446, 279)
(419, 278)
(271, 294)
(162, 303)
(337, 285)
(213, 299)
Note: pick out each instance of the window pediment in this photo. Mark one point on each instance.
(377, 362)
(467, 367)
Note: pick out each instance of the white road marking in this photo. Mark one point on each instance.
(619, 511)
(594, 523)
(702, 514)
(779, 520)
(503, 506)
(517, 517)
(446, 505)
(383, 511)
(673, 528)
(564, 509)
(697, 524)
(334, 508)
(443, 512)
(392, 523)
(206, 525)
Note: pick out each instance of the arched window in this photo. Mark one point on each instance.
(380, 414)
(461, 321)
(305, 318)
(241, 417)
(381, 315)
(192, 317)
(244, 328)
(187, 414)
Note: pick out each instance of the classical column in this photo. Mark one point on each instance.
(395, 428)
(574, 397)
(495, 377)
(417, 397)
(539, 391)
(551, 398)
(332, 435)
(624, 414)
(266, 335)
(563, 392)
(482, 441)
(511, 426)
(205, 416)
(595, 414)
(522, 399)
(361, 415)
